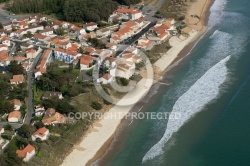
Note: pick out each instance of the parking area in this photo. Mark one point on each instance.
(6, 16)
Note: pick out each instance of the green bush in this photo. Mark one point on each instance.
(96, 105)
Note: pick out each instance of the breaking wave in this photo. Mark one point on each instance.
(203, 91)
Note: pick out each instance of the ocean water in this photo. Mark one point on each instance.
(210, 90)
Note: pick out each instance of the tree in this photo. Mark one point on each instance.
(1, 25)
(44, 23)
(8, 127)
(60, 31)
(26, 131)
(16, 68)
(6, 106)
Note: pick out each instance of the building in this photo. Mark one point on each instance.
(47, 32)
(50, 95)
(86, 62)
(91, 26)
(6, 41)
(124, 69)
(52, 117)
(14, 116)
(106, 78)
(42, 134)
(3, 47)
(1, 130)
(17, 104)
(33, 52)
(27, 153)
(17, 79)
(145, 44)
(45, 59)
(125, 14)
(39, 110)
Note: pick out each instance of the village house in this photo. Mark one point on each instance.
(86, 62)
(125, 14)
(66, 55)
(1, 130)
(33, 52)
(25, 46)
(6, 41)
(145, 44)
(111, 46)
(91, 26)
(106, 79)
(124, 69)
(45, 59)
(129, 57)
(50, 95)
(52, 117)
(14, 116)
(7, 26)
(42, 134)
(57, 43)
(78, 30)
(104, 32)
(17, 79)
(39, 110)
(4, 58)
(27, 153)
(3, 47)
(34, 29)
(47, 32)
(17, 104)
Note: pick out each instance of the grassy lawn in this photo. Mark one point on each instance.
(174, 10)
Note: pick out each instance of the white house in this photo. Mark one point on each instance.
(125, 69)
(47, 32)
(42, 133)
(1, 130)
(91, 26)
(27, 153)
(17, 104)
(33, 52)
(103, 32)
(39, 110)
(106, 78)
(3, 47)
(14, 116)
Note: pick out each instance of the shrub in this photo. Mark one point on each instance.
(96, 105)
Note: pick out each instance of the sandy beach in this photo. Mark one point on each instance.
(104, 129)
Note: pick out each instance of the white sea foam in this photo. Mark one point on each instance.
(203, 91)
(216, 12)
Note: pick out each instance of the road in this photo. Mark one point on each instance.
(29, 99)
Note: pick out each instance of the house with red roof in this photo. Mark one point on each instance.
(33, 52)
(17, 79)
(145, 44)
(17, 104)
(86, 62)
(45, 59)
(14, 116)
(42, 134)
(27, 153)
(5, 41)
(66, 55)
(106, 79)
(3, 47)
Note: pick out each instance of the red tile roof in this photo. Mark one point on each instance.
(23, 153)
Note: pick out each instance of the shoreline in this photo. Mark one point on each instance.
(96, 142)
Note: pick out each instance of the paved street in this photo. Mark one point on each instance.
(29, 99)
